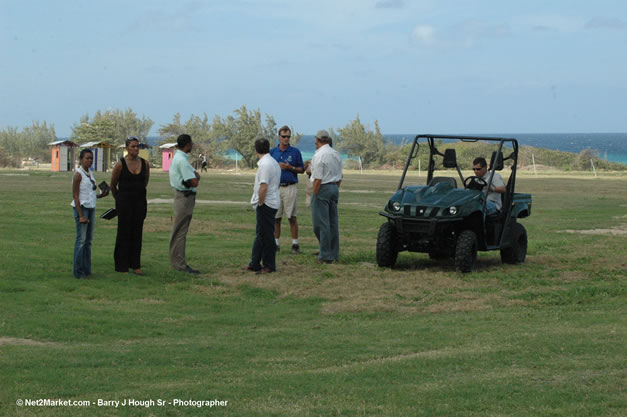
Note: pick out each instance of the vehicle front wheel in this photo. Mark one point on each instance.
(387, 244)
(517, 251)
(466, 251)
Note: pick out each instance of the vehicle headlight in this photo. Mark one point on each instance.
(396, 206)
(452, 210)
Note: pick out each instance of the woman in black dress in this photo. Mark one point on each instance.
(129, 180)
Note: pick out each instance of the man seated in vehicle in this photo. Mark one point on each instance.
(480, 168)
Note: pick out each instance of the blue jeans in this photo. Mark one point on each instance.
(82, 247)
(325, 223)
(490, 207)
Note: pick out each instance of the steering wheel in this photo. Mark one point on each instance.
(475, 183)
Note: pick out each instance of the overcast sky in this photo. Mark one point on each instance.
(416, 66)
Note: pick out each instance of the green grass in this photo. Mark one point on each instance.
(351, 339)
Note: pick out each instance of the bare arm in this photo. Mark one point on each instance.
(287, 167)
(195, 181)
(263, 190)
(115, 178)
(147, 172)
(76, 190)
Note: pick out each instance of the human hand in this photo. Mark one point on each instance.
(83, 219)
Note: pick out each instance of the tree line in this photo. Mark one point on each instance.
(238, 131)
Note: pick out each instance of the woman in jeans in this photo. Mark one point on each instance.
(84, 207)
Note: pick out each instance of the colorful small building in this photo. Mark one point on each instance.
(102, 155)
(63, 155)
(167, 153)
(144, 151)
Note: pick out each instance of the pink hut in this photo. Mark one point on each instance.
(63, 155)
(167, 153)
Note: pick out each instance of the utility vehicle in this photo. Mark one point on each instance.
(449, 220)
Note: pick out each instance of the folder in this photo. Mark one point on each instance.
(109, 214)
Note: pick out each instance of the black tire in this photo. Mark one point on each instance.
(387, 245)
(516, 251)
(466, 251)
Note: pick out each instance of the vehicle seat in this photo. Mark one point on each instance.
(450, 158)
(499, 161)
(449, 180)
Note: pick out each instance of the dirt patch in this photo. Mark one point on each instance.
(219, 228)
(14, 341)
(620, 230)
(345, 289)
(221, 202)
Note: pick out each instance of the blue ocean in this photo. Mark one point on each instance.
(611, 146)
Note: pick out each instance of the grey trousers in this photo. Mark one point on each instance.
(325, 223)
(183, 209)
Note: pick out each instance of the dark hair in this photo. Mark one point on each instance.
(481, 161)
(284, 128)
(131, 139)
(183, 140)
(262, 146)
(325, 139)
(83, 152)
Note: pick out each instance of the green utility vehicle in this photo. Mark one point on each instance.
(447, 221)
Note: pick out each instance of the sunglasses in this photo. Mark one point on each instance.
(285, 136)
(477, 169)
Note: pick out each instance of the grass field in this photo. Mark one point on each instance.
(544, 338)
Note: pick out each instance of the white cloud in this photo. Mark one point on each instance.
(462, 35)
(425, 34)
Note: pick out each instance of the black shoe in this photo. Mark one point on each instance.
(191, 270)
(295, 249)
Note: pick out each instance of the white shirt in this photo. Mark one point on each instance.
(496, 182)
(326, 165)
(268, 172)
(86, 193)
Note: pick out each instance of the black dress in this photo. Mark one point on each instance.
(131, 207)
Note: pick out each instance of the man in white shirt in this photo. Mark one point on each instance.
(326, 176)
(266, 201)
(497, 188)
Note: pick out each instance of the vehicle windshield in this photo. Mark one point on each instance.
(452, 157)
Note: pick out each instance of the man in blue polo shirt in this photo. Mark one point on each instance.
(291, 162)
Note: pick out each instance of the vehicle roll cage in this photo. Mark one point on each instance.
(449, 161)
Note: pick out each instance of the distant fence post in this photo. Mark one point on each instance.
(418, 166)
(594, 170)
(361, 171)
(534, 165)
(236, 162)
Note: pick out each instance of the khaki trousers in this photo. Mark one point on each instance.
(183, 209)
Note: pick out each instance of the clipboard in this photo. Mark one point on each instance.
(109, 214)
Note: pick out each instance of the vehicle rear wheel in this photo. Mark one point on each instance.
(517, 252)
(387, 244)
(466, 251)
